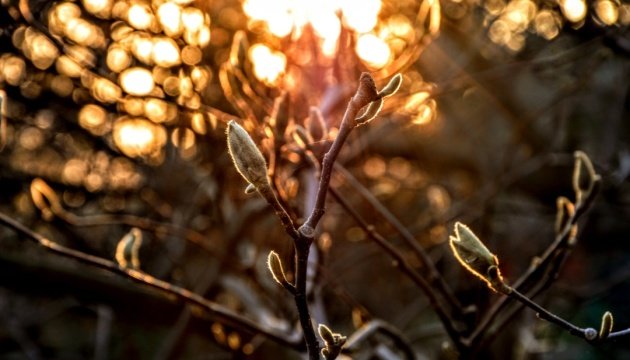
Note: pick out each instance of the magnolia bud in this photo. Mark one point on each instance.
(238, 52)
(275, 267)
(366, 92)
(583, 183)
(565, 211)
(45, 199)
(280, 114)
(247, 159)
(371, 112)
(128, 248)
(607, 325)
(333, 342)
(476, 258)
(392, 87)
(302, 137)
(315, 124)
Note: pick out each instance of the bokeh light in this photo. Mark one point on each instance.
(268, 64)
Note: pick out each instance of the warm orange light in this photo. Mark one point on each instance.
(607, 12)
(139, 16)
(138, 137)
(137, 81)
(361, 15)
(170, 17)
(100, 8)
(156, 110)
(192, 18)
(283, 17)
(573, 10)
(92, 118)
(268, 65)
(142, 48)
(546, 24)
(166, 52)
(118, 59)
(373, 50)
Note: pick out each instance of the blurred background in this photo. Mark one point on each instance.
(114, 116)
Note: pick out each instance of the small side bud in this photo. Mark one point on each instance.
(590, 334)
(250, 189)
(392, 86)
(476, 258)
(280, 114)
(315, 124)
(128, 249)
(333, 342)
(565, 211)
(606, 326)
(301, 136)
(371, 112)
(275, 267)
(307, 231)
(45, 199)
(247, 158)
(238, 52)
(584, 176)
(366, 92)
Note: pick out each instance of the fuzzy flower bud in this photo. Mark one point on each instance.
(128, 248)
(392, 87)
(607, 325)
(366, 92)
(247, 159)
(476, 258)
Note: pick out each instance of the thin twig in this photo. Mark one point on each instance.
(435, 301)
(534, 271)
(433, 275)
(188, 296)
(547, 315)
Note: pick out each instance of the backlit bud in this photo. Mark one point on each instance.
(248, 160)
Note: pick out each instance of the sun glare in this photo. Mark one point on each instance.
(268, 64)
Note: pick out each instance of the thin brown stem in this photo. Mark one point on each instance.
(549, 316)
(435, 301)
(535, 272)
(215, 310)
(433, 275)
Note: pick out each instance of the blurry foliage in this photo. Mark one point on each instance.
(114, 114)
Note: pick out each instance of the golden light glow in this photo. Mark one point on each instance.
(268, 65)
(156, 110)
(421, 109)
(13, 70)
(100, 8)
(192, 18)
(118, 59)
(139, 16)
(138, 137)
(105, 91)
(93, 118)
(546, 24)
(183, 139)
(137, 81)
(142, 48)
(361, 15)
(607, 12)
(284, 17)
(373, 51)
(39, 49)
(170, 17)
(191, 55)
(573, 10)
(166, 52)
